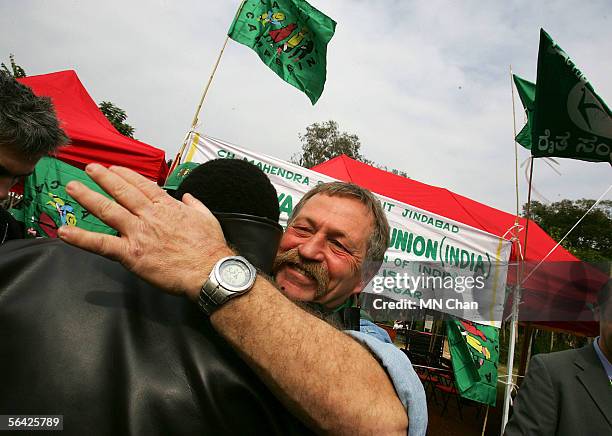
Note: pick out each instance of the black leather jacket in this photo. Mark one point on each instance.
(10, 228)
(82, 337)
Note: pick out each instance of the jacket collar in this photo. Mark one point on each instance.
(591, 374)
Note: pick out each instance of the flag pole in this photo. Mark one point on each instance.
(528, 209)
(195, 120)
(517, 287)
(515, 308)
(210, 79)
(516, 164)
(484, 425)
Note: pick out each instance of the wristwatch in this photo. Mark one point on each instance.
(231, 277)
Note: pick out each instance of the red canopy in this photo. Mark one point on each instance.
(92, 137)
(563, 285)
(445, 203)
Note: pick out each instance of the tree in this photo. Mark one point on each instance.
(392, 170)
(324, 141)
(117, 117)
(591, 241)
(16, 70)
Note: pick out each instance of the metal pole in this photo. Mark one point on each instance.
(516, 165)
(517, 288)
(528, 211)
(515, 310)
(513, 326)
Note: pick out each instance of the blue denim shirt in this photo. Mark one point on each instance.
(405, 380)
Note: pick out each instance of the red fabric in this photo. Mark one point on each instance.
(564, 285)
(443, 202)
(92, 137)
(447, 389)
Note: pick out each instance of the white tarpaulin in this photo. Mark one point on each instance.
(432, 262)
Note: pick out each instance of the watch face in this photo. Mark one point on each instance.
(235, 273)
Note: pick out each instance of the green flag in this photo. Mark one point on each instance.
(570, 119)
(179, 174)
(526, 91)
(47, 206)
(474, 352)
(290, 37)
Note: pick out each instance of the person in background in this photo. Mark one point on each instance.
(569, 392)
(29, 130)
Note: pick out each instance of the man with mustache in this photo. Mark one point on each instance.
(334, 243)
(333, 246)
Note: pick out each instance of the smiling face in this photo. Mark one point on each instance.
(322, 251)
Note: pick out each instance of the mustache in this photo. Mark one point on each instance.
(316, 270)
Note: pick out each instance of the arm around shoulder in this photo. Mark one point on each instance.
(322, 375)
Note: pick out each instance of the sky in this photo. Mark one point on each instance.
(424, 84)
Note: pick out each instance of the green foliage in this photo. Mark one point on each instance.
(117, 117)
(16, 70)
(542, 341)
(324, 141)
(392, 170)
(549, 342)
(591, 241)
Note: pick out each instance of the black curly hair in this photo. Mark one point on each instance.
(28, 123)
(222, 184)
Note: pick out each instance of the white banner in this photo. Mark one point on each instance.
(432, 262)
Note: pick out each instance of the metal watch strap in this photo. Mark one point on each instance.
(207, 304)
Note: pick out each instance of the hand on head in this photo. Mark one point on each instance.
(169, 243)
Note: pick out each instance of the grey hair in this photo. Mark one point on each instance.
(379, 238)
(28, 123)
